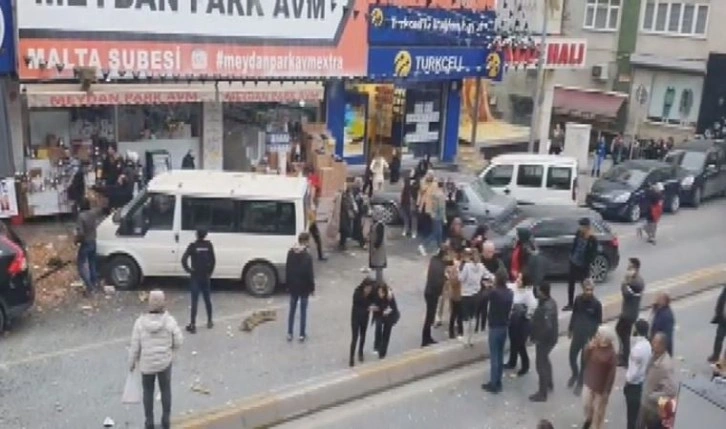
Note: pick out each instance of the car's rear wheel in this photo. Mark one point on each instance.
(260, 279)
(123, 273)
(634, 213)
(674, 204)
(600, 268)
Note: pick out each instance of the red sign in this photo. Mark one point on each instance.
(560, 54)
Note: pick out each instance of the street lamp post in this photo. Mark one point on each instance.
(537, 102)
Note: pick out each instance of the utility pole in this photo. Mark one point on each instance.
(475, 116)
(537, 102)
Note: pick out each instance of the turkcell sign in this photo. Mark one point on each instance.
(427, 64)
(419, 26)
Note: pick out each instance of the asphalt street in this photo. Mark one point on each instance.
(455, 399)
(66, 368)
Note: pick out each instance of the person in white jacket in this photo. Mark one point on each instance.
(155, 338)
(471, 275)
(379, 165)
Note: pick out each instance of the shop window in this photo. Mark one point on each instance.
(267, 217)
(499, 175)
(602, 14)
(214, 214)
(559, 178)
(159, 122)
(530, 176)
(675, 17)
(675, 98)
(421, 127)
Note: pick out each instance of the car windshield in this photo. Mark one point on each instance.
(632, 176)
(482, 190)
(693, 161)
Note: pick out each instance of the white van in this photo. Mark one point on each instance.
(252, 220)
(533, 178)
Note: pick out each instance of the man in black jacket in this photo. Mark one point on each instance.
(363, 304)
(300, 280)
(632, 290)
(582, 253)
(545, 331)
(719, 319)
(198, 260)
(435, 279)
(500, 306)
(585, 319)
(493, 264)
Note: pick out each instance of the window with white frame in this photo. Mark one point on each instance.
(683, 18)
(675, 98)
(602, 14)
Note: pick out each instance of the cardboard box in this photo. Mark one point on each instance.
(321, 161)
(327, 182)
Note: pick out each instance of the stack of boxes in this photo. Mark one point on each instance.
(320, 149)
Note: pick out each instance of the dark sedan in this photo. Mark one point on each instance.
(553, 230)
(16, 289)
(620, 192)
(702, 170)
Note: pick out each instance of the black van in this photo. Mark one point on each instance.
(16, 287)
(703, 169)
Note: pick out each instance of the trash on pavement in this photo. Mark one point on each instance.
(108, 422)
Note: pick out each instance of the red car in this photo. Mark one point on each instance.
(16, 287)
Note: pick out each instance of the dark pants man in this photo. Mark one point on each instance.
(518, 334)
(358, 327)
(482, 311)
(718, 341)
(544, 367)
(624, 329)
(497, 340)
(632, 394)
(303, 314)
(147, 382)
(456, 321)
(431, 303)
(202, 285)
(577, 345)
(315, 233)
(87, 265)
(577, 274)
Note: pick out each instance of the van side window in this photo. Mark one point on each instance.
(154, 212)
(267, 217)
(214, 214)
(499, 175)
(530, 176)
(559, 178)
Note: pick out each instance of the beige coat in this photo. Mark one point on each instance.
(660, 382)
(425, 201)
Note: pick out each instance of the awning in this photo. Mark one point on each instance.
(103, 94)
(587, 104)
(694, 66)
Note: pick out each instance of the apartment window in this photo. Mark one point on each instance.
(602, 14)
(675, 17)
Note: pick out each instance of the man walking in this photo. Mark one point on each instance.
(719, 319)
(632, 291)
(640, 356)
(659, 384)
(585, 319)
(300, 280)
(582, 253)
(199, 261)
(435, 279)
(377, 259)
(86, 238)
(545, 331)
(500, 306)
(601, 365)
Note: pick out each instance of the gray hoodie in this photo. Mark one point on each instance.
(153, 340)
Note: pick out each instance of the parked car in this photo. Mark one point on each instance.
(702, 170)
(534, 178)
(472, 200)
(620, 192)
(553, 230)
(16, 287)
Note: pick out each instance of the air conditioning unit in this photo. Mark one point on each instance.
(600, 72)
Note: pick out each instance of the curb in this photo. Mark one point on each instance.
(342, 386)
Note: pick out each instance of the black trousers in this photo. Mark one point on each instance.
(203, 286)
(344, 235)
(577, 274)
(544, 367)
(315, 233)
(624, 329)
(431, 303)
(718, 341)
(384, 326)
(147, 383)
(358, 327)
(357, 233)
(456, 318)
(577, 346)
(518, 334)
(482, 311)
(632, 394)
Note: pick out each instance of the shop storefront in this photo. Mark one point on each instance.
(8, 200)
(411, 101)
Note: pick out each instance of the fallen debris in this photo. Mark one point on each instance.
(257, 318)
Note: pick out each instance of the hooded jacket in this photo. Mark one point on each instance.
(198, 260)
(545, 324)
(299, 274)
(590, 250)
(153, 340)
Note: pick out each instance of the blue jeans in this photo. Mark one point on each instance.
(303, 313)
(436, 234)
(497, 339)
(201, 285)
(87, 257)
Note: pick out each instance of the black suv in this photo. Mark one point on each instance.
(553, 230)
(16, 288)
(702, 169)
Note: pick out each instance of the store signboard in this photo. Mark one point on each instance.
(422, 64)
(7, 38)
(212, 38)
(560, 54)
(417, 26)
(8, 199)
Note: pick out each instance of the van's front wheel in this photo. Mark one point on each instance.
(260, 279)
(123, 273)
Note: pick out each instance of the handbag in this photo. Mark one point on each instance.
(132, 389)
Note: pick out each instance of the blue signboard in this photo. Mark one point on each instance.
(412, 26)
(7, 38)
(428, 64)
